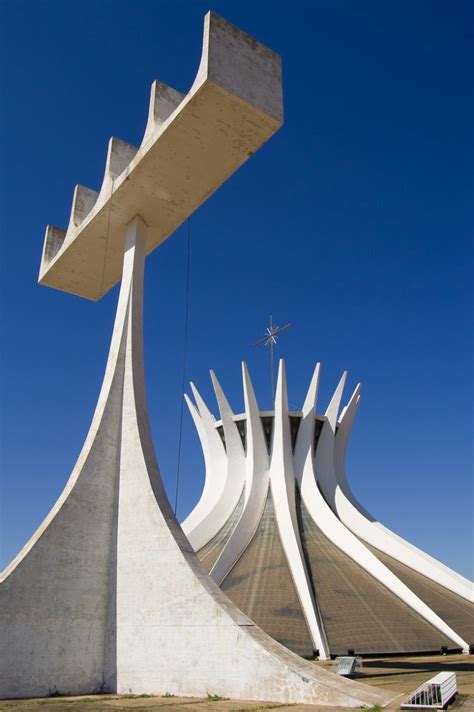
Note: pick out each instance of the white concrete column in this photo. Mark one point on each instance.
(364, 525)
(225, 469)
(282, 482)
(257, 475)
(108, 594)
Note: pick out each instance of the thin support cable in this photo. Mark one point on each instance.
(185, 357)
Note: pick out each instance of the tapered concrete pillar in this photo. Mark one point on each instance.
(108, 594)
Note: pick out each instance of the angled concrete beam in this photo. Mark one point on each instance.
(192, 144)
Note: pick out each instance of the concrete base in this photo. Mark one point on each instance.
(108, 594)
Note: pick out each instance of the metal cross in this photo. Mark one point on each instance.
(270, 339)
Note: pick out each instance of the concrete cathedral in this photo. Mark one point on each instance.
(108, 594)
(280, 531)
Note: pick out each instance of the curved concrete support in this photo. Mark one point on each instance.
(235, 452)
(315, 474)
(257, 453)
(365, 526)
(53, 241)
(322, 514)
(344, 429)
(216, 447)
(233, 442)
(83, 201)
(126, 607)
(257, 477)
(199, 524)
(58, 599)
(224, 480)
(163, 101)
(319, 484)
(282, 483)
(345, 540)
(119, 156)
(333, 408)
(324, 454)
(305, 438)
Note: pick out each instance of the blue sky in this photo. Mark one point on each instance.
(353, 223)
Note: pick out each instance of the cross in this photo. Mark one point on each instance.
(270, 339)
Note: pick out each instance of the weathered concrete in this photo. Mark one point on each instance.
(191, 145)
(108, 594)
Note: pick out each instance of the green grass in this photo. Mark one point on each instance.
(216, 698)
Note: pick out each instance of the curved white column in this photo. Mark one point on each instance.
(374, 533)
(324, 455)
(321, 491)
(225, 468)
(282, 483)
(320, 470)
(235, 453)
(305, 439)
(108, 594)
(211, 511)
(257, 477)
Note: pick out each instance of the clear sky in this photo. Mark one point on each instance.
(353, 223)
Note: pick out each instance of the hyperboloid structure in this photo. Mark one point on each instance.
(280, 531)
(108, 594)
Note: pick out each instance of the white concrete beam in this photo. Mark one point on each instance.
(282, 483)
(192, 144)
(364, 525)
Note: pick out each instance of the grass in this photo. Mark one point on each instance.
(216, 698)
(63, 701)
(262, 707)
(90, 700)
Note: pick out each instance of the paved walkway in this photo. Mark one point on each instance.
(405, 674)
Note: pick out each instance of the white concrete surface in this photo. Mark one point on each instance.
(321, 479)
(191, 145)
(282, 483)
(108, 594)
(225, 476)
(317, 472)
(257, 478)
(358, 520)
